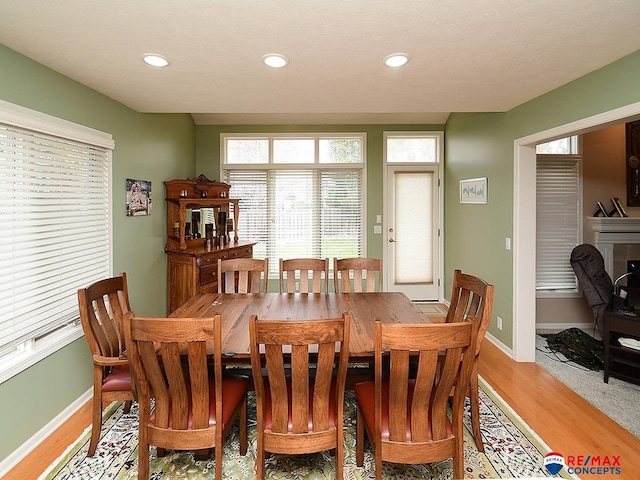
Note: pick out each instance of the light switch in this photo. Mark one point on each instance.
(378, 218)
(377, 229)
(507, 243)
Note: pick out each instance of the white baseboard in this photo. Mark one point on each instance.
(27, 447)
(506, 350)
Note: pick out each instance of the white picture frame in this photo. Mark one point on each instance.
(474, 190)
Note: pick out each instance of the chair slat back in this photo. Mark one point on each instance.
(312, 275)
(157, 347)
(297, 345)
(471, 296)
(102, 307)
(427, 394)
(361, 270)
(243, 275)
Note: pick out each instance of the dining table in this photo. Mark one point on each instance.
(235, 309)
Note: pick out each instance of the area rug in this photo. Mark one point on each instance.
(512, 450)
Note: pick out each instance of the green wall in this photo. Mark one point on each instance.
(149, 147)
(482, 145)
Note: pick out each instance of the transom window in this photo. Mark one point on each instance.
(412, 148)
(301, 196)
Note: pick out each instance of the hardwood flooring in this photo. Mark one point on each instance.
(564, 420)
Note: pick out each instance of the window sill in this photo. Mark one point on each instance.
(32, 352)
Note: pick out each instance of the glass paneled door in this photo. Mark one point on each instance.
(412, 241)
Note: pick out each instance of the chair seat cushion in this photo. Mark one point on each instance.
(332, 405)
(365, 394)
(118, 380)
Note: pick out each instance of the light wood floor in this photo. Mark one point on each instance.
(565, 421)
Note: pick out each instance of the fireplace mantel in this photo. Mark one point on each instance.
(611, 231)
(615, 224)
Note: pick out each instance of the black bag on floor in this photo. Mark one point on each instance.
(578, 346)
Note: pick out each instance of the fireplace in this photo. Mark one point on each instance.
(618, 239)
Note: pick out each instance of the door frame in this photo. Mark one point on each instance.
(524, 231)
(439, 223)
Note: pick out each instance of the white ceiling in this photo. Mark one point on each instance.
(465, 55)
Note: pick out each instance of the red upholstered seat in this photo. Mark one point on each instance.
(118, 379)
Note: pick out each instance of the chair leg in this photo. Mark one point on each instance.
(96, 422)
(259, 456)
(458, 466)
(219, 461)
(243, 426)
(143, 458)
(339, 456)
(127, 406)
(474, 398)
(359, 438)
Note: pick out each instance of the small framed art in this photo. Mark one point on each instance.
(473, 190)
(138, 197)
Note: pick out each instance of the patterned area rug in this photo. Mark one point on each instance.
(512, 450)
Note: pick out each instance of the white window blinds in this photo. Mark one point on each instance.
(55, 219)
(558, 221)
(314, 213)
(301, 195)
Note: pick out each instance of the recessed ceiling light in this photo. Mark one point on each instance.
(155, 60)
(275, 60)
(396, 59)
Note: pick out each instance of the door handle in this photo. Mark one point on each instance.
(391, 240)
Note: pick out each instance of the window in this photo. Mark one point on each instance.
(561, 146)
(55, 203)
(300, 195)
(413, 148)
(558, 222)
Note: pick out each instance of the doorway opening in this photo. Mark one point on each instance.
(524, 231)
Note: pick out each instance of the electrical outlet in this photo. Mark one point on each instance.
(499, 323)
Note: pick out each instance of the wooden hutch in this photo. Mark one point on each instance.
(192, 257)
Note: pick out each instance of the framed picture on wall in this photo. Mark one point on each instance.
(633, 163)
(473, 190)
(138, 197)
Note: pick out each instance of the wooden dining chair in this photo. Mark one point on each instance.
(405, 417)
(243, 275)
(194, 405)
(362, 270)
(299, 408)
(102, 306)
(311, 274)
(472, 297)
